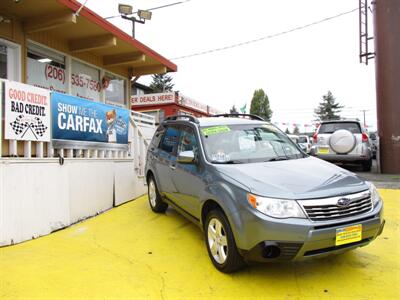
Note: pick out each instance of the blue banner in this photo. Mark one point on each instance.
(76, 119)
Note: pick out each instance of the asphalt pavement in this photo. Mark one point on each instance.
(384, 181)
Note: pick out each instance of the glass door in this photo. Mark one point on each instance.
(10, 61)
(3, 61)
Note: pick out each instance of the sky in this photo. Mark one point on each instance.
(295, 70)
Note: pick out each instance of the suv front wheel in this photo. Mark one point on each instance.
(221, 244)
(156, 203)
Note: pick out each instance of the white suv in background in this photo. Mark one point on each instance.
(344, 141)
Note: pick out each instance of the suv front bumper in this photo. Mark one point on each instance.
(309, 239)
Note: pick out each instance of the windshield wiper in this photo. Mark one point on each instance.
(227, 162)
(278, 158)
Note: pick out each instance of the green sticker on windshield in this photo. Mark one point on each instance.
(215, 130)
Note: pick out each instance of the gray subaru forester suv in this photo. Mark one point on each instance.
(255, 194)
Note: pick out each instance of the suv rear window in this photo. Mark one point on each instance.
(353, 127)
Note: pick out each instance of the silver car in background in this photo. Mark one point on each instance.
(305, 143)
(343, 141)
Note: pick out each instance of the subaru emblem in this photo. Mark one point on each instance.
(343, 202)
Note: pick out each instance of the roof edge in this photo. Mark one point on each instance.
(95, 18)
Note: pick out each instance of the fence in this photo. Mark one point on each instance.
(141, 127)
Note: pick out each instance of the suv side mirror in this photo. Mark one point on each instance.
(186, 157)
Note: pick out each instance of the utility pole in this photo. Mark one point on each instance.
(387, 48)
(363, 111)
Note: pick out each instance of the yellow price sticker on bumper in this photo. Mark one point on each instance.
(323, 150)
(348, 235)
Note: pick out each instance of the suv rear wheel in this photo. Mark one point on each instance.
(366, 165)
(221, 244)
(155, 201)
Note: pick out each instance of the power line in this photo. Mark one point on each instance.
(154, 8)
(266, 37)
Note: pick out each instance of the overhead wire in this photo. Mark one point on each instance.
(266, 37)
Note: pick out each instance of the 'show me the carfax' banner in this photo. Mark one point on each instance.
(76, 119)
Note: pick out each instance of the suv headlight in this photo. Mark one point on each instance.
(375, 198)
(276, 208)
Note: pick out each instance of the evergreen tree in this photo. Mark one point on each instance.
(233, 110)
(260, 105)
(296, 130)
(328, 109)
(161, 83)
(287, 131)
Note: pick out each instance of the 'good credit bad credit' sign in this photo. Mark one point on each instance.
(151, 99)
(76, 119)
(27, 112)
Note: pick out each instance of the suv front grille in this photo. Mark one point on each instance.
(329, 208)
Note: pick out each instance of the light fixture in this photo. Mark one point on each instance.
(125, 9)
(44, 60)
(4, 20)
(144, 14)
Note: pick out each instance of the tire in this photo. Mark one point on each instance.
(342, 141)
(221, 246)
(366, 165)
(156, 203)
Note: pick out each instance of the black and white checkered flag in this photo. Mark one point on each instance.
(39, 127)
(19, 125)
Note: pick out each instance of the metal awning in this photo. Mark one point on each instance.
(88, 33)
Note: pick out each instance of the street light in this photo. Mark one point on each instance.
(125, 10)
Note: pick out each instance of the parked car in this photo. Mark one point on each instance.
(305, 143)
(374, 143)
(295, 139)
(255, 195)
(344, 141)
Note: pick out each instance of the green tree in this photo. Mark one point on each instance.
(328, 109)
(161, 83)
(296, 130)
(287, 131)
(260, 105)
(233, 110)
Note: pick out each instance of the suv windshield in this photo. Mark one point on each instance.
(247, 144)
(353, 127)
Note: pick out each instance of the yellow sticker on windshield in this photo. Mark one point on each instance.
(215, 130)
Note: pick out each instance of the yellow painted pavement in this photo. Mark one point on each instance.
(131, 253)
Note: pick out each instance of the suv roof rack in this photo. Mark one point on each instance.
(176, 117)
(250, 116)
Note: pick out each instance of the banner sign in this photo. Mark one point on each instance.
(27, 112)
(76, 119)
(191, 103)
(151, 99)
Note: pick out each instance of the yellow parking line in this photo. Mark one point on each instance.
(132, 253)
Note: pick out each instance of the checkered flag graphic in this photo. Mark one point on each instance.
(39, 127)
(19, 125)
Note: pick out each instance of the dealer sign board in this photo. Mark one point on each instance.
(27, 112)
(76, 119)
(152, 99)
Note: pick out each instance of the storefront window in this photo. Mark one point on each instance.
(3, 61)
(115, 91)
(85, 81)
(46, 69)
